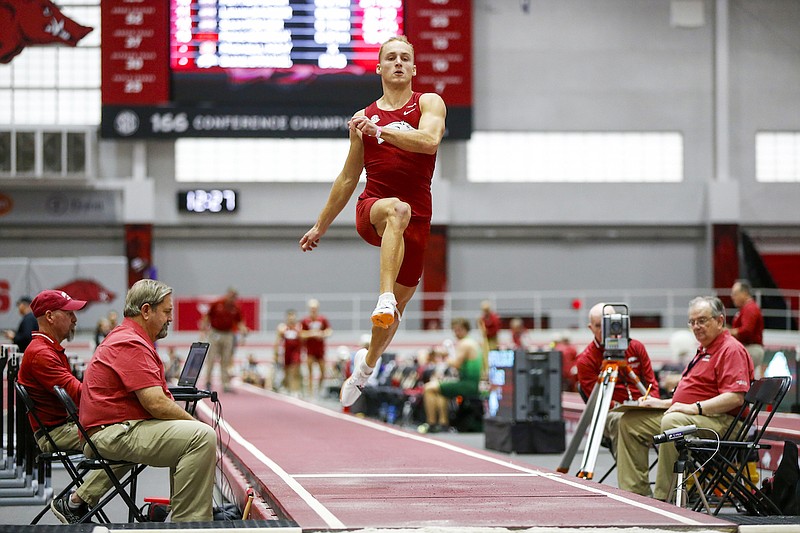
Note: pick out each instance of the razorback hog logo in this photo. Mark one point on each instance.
(30, 22)
(88, 290)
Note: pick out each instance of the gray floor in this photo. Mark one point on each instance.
(155, 481)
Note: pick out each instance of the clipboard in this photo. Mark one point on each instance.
(625, 408)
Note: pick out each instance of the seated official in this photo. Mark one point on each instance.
(43, 366)
(468, 362)
(709, 395)
(590, 365)
(130, 414)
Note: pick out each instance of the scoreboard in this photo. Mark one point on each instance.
(323, 35)
(272, 68)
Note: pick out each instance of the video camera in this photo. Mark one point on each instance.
(615, 331)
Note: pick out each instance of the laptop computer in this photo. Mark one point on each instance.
(187, 382)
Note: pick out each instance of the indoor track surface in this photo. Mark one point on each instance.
(326, 470)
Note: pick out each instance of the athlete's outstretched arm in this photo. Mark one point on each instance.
(341, 191)
(423, 140)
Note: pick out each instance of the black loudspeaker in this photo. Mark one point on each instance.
(532, 436)
(537, 385)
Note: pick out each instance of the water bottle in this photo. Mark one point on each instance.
(390, 414)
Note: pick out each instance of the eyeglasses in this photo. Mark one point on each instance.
(702, 321)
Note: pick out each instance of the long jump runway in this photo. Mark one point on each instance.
(327, 470)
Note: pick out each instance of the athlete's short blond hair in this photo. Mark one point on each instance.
(399, 38)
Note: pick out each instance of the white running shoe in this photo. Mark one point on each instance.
(351, 388)
(384, 313)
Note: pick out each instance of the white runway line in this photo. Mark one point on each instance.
(328, 517)
(445, 474)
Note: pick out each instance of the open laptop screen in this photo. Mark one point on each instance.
(193, 365)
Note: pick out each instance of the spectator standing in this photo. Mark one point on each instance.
(28, 324)
(45, 365)
(748, 323)
(590, 364)
(128, 410)
(315, 329)
(289, 343)
(223, 322)
(709, 395)
(489, 324)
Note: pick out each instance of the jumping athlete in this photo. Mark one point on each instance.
(395, 139)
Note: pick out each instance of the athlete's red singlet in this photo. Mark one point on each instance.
(393, 172)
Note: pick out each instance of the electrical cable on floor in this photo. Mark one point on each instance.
(224, 485)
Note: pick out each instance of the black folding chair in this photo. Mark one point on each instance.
(723, 475)
(66, 457)
(98, 462)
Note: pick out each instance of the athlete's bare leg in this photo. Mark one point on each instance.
(311, 362)
(367, 360)
(435, 404)
(390, 217)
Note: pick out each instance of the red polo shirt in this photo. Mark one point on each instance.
(124, 363)
(724, 366)
(590, 363)
(749, 324)
(44, 365)
(224, 316)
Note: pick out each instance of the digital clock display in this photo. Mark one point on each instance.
(208, 201)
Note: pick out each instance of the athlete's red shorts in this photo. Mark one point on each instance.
(292, 357)
(315, 356)
(415, 238)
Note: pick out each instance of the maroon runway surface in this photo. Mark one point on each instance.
(328, 470)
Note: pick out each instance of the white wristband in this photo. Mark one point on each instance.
(378, 135)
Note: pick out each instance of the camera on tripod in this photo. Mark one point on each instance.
(615, 331)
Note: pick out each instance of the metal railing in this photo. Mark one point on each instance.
(664, 308)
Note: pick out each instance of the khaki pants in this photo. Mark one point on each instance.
(187, 447)
(221, 344)
(96, 483)
(636, 431)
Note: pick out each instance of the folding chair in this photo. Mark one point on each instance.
(98, 462)
(724, 474)
(46, 459)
